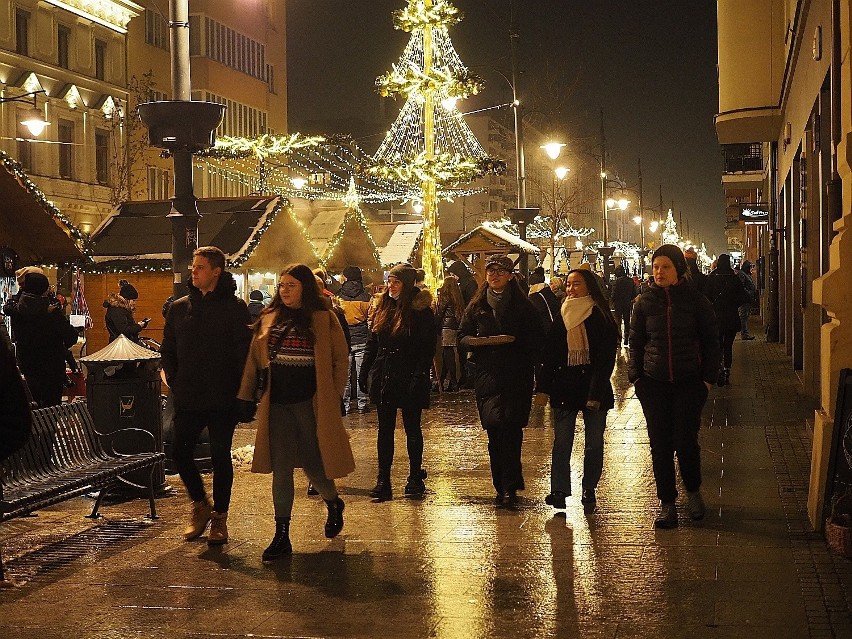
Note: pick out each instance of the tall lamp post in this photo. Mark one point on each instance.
(183, 127)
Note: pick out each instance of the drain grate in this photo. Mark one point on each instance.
(88, 545)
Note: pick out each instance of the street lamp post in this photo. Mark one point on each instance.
(32, 118)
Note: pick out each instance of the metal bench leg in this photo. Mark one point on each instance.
(98, 502)
(151, 493)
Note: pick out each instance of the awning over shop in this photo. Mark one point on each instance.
(31, 225)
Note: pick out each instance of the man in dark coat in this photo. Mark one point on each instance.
(42, 336)
(467, 283)
(744, 273)
(699, 279)
(623, 294)
(469, 287)
(726, 293)
(205, 344)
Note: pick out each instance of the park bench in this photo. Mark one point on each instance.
(65, 457)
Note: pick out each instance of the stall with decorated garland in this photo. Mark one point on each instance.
(34, 232)
(257, 234)
(475, 247)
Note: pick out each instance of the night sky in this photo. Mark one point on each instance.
(650, 64)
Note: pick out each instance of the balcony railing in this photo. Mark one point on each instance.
(741, 158)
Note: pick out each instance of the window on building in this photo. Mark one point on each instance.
(22, 32)
(63, 45)
(156, 29)
(100, 59)
(159, 183)
(25, 146)
(195, 35)
(102, 156)
(66, 149)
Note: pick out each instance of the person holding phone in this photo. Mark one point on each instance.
(119, 314)
(504, 333)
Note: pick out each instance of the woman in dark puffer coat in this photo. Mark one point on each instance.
(674, 355)
(503, 376)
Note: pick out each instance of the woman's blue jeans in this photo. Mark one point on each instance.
(564, 425)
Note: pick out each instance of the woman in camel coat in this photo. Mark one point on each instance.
(300, 350)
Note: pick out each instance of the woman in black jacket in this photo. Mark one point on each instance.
(395, 374)
(726, 293)
(578, 365)
(674, 359)
(505, 335)
(119, 313)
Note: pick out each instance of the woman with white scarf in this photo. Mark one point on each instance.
(576, 375)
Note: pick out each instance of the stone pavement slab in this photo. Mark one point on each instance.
(452, 564)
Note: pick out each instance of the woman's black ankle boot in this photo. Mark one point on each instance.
(280, 542)
(382, 490)
(334, 523)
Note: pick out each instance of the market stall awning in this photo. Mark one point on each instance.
(31, 225)
(141, 232)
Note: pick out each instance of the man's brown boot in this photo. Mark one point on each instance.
(218, 534)
(198, 519)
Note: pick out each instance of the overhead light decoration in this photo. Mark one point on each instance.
(429, 145)
(261, 147)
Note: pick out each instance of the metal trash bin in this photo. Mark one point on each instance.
(123, 391)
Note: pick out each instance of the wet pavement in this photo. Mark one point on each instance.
(454, 565)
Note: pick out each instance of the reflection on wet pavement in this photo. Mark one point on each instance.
(452, 564)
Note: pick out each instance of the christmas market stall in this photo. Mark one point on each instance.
(33, 232)
(259, 235)
(475, 247)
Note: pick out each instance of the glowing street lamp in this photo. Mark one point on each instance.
(553, 149)
(561, 172)
(33, 119)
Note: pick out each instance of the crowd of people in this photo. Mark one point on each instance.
(296, 364)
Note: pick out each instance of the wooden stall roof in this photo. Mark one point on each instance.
(490, 239)
(141, 230)
(32, 226)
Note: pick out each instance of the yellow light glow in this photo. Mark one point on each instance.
(113, 14)
(553, 149)
(561, 172)
(417, 207)
(637, 219)
(34, 121)
(654, 226)
(578, 245)
(449, 103)
(298, 183)
(623, 203)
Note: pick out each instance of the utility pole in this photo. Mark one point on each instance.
(519, 136)
(606, 250)
(643, 251)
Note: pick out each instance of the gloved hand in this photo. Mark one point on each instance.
(246, 411)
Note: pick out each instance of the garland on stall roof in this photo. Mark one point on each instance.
(124, 266)
(80, 239)
(417, 16)
(353, 206)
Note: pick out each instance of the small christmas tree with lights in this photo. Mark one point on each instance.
(430, 145)
(669, 234)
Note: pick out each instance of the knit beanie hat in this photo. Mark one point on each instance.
(127, 291)
(674, 253)
(352, 273)
(36, 283)
(405, 273)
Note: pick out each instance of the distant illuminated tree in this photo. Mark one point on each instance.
(669, 233)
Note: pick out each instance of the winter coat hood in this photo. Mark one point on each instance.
(353, 290)
(116, 301)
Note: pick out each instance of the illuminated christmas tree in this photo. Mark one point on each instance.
(669, 234)
(430, 145)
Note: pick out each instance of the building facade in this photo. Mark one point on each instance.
(237, 58)
(68, 60)
(785, 113)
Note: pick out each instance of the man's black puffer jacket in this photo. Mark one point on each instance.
(673, 335)
(205, 344)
